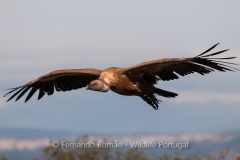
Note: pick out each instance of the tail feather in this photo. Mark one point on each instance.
(164, 93)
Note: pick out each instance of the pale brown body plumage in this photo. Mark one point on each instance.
(123, 85)
(138, 80)
(119, 83)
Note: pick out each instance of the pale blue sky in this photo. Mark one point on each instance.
(40, 36)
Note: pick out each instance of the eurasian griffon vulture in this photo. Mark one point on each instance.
(138, 80)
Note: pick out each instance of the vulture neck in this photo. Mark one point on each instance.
(105, 88)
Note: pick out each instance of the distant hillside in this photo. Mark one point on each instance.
(28, 143)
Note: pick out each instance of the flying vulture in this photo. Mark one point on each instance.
(138, 80)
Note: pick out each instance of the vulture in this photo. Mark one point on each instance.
(138, 80)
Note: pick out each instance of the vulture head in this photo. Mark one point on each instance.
(97, 85)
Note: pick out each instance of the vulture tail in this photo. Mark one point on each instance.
(164, 93)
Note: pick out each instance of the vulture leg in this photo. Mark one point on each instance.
(151, 100)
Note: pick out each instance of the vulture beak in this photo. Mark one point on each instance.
(87, 87)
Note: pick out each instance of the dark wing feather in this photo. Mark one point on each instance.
(50, 88)
(208, 50)
(167, 69)
(23, 92)
(33, 90)
(41, 94)
(61, 80)
(15, 94)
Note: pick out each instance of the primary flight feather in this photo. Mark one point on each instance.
(138, 80)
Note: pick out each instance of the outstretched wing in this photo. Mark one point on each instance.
(167, 69)
(62, 80)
